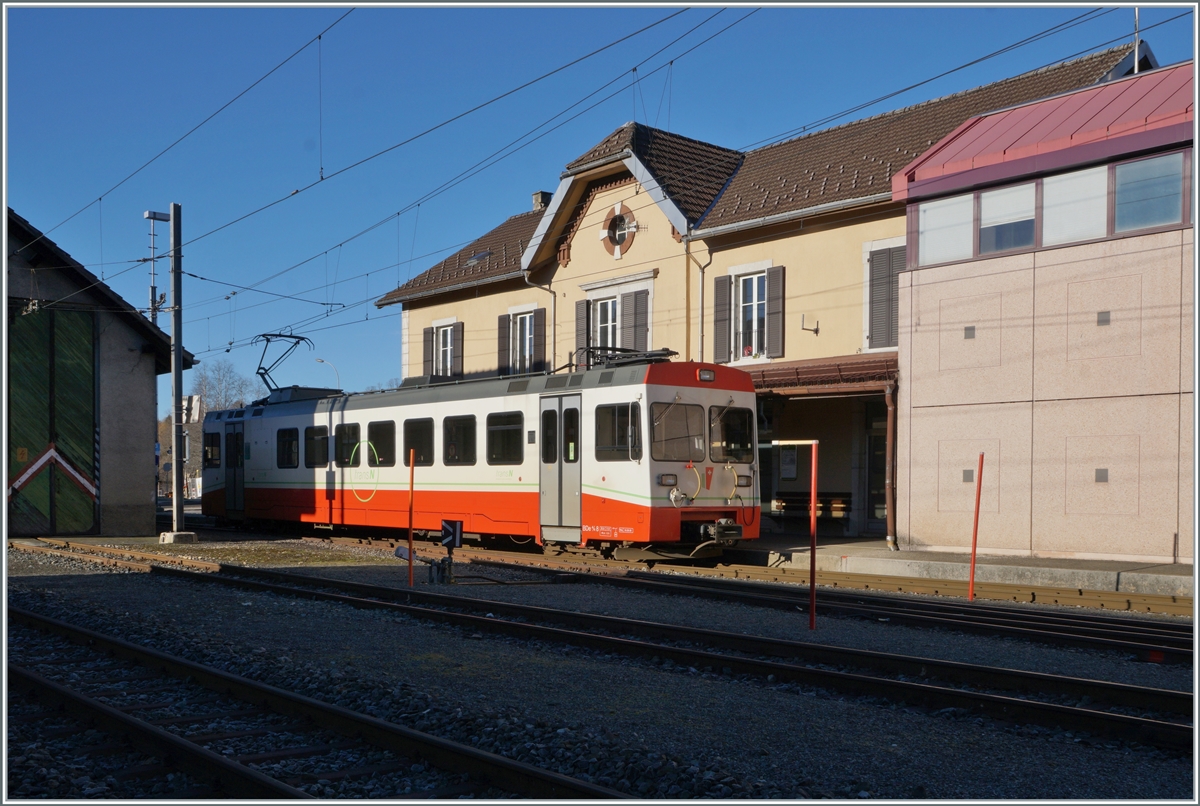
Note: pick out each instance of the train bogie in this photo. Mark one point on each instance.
(651, 453)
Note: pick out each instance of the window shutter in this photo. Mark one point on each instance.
(427, 351)
(456, 349)
(775, 312)
(539, 340)
(722, 293)
(635, 316)
(583, 330)
(885, 268)
(898, 260)
(503, 337)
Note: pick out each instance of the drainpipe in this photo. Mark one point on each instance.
(553, 318)
(687, 251)
(889, 485)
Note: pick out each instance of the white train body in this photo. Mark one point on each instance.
(634, 454)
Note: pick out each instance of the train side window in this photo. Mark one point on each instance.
(505, 445)
(458, 440)
(381, 444)
(287, 447)
(676, 432)
(549, 436)
(212, 450)
(418, 436)
(570, 435)
(316, 446)
(345, 440)
(618, 432)
(732, 434)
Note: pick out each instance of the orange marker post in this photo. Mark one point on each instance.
(412, 463)
(975, 529)
(812, 550)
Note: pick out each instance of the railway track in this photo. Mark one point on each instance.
(1150, 716)
(249, 740)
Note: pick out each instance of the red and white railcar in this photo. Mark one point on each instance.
(616, 455)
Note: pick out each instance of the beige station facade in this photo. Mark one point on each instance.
(788, 262)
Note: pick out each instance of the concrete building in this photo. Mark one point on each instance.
(82, 394)
(1046, 321)
(783, 261)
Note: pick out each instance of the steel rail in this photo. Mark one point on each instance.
(495, 770)
(1118, 694)
(1149, 731)
(237, 780)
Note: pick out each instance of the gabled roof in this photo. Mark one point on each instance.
(857, 160)
(1136, 113)
(38, 251)
(491, 258)
(690, 172)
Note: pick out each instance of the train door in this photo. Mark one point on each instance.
(235, 478)
(561, 476)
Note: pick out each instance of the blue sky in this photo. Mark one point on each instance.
(92, 94)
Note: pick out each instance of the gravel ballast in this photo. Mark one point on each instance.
(649, 729)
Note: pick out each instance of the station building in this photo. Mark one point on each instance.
(1046, 322)
(784, 261)
(82, 396)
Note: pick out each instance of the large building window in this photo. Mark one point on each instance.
(884, 313)
(752, 315)
(748, 308)
(443, 349)
(1084, 205)
(604, 314)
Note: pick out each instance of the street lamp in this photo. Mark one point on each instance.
(335, 372)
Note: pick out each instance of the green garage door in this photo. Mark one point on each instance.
(52, 430)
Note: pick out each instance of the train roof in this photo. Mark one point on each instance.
(424, 389)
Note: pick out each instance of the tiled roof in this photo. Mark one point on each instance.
(691, 172)
(858, 159)
(493, 257)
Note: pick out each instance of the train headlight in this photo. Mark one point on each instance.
(708, 375)
(667, 480)
(745, 481)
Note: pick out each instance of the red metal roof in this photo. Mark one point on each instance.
(1139, 103)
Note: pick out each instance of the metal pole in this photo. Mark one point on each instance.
(812, 549)
(1136, 40)
(975, 529)
(176, 369)
(412, 462)
(889, 485)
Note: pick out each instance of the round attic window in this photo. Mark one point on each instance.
(618, 230)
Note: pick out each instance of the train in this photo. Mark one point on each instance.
(624, 452)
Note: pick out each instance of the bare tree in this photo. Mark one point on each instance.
(390, 383)
(220, 386)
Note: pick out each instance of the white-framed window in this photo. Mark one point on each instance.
(604, 314)
(522, 342)
(751, 325)
(443, 350)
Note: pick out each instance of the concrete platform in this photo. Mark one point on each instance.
(870, 555)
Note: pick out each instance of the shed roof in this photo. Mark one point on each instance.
(40, 252)
(491, 258)
(1159, 100)
(857, 160)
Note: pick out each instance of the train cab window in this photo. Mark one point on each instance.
(504, 443)
(619, 432)
(676, 432)
(458, 440)
(570, 448)
(345, 445)
(287, 447)
(418, 436)
(549, 436)
(731, 434)
(212, 450)
(381, 444)
(316, 446)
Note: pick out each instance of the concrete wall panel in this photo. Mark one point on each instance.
(1131, 511)
(1187, 313)
(1187, 478)
(1107, 318)
(972, 335)
(945, 441)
